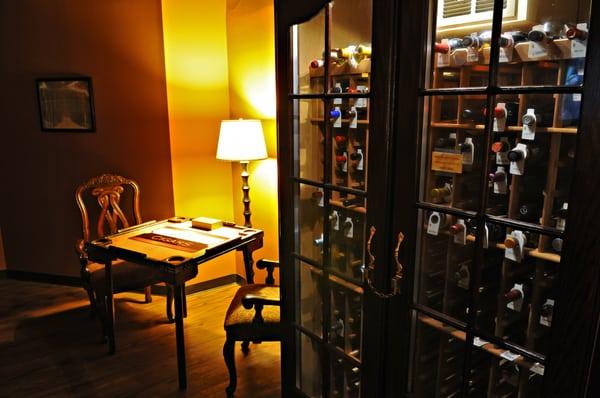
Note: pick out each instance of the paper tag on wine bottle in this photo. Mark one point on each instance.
(537, 50)
(528, 132)
(338, 120)
(516, 253)
(349, 232)
(321, 202)
(433, 225)
(360, 165)
(547, 320)
(354, 119)
(511, 356)
(501, 157)
(361, 102)
(577, 97)
(506, 54)
(479, 342)
(517, 305)
(501, 187)
(537, 368)
(472, 55)
(500, 123)
(461, 237)
(335, 216)
(345, 164)
(579, 47)
(338, 101)
(518, 167)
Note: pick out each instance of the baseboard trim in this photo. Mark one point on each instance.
(43, 278)
(156, 289)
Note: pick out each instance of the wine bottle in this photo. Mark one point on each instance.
(441, 194)
(335, 114)
(518, 292)
(364, 50)
(550, 31)
(317, 63)
(457, 228)
(473, 116)
(561, 216)
(446, 142)
(340, 139)
(497, 176)
(318, 242)
(529, 212)
(517, 154)
(557, 244)
(500, 146)
(356, 201)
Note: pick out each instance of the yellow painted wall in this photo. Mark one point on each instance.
(251, 56)
(196, 69)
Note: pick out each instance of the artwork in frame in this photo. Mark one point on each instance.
(66, 104)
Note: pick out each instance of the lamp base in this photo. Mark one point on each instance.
(246, 189)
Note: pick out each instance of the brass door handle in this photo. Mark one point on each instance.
(398, 275)
(397, 278)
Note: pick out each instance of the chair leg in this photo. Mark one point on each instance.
(148, 293)
(101, 307)
(170, 303)
(246, 347)
(229, 356)
(93, 304)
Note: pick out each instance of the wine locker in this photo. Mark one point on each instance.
(437, 183)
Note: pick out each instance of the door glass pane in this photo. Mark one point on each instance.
(349, 123)
(454, 139)
(310, 301)
(346, 317)
(541, 38)
(308, 41)
(350, 46)
(445, 263)
(309, 139)
(309, 371)
(309, 203)
(438, 359)
(533, 160)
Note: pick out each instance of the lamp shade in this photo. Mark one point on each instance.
(241, 140)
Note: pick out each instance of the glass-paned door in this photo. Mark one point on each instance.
(500, 105)
(330, 102)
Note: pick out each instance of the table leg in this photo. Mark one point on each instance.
(248, 264)
(179, 335)
(110, 316)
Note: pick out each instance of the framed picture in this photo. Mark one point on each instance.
(66, 104)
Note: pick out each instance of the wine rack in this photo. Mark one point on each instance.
(495, 180)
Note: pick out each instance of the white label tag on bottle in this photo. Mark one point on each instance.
(479, 342)
(472, 55)
(561, 224)
(502, 157)
(528, 132)
(508, 355)
(360, 166)
(518, 167)
(500, 123)
(321, 202)
(338, 101)
(547, 320)
(537, 368)
(336, 220)
(577, 97)
(361, 102)
(537, 50)
(468, 154)
(461, 237)
(349, 232)
(506, 54)
(516, 253)
(354, 119)
(517, 305)
(345, 164)
(338, 120)
(579, 47)
(501, 187)
(433, 225)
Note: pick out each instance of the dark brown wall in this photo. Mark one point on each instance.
(119, 44)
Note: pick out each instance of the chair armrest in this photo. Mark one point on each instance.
(269, 265)
(80, 248)
(250, 300)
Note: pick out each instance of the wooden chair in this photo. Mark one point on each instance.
(107, 190)
(252, 316)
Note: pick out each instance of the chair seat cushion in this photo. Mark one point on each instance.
(238, 316)
(126, 276)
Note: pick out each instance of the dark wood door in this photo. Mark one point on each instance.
(495, 135)
(334, 112)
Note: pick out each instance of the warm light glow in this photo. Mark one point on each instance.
(241, 140)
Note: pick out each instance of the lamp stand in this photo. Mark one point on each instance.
(246, 189)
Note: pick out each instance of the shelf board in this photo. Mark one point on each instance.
(552, 257)
(338, 203)
(344, 121)
(514, 129)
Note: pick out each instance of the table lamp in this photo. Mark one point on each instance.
(242, 140)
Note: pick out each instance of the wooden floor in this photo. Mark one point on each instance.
(49, 346)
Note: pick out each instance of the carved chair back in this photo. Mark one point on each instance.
(107, 190)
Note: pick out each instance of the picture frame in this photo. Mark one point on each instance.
(66, 104)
